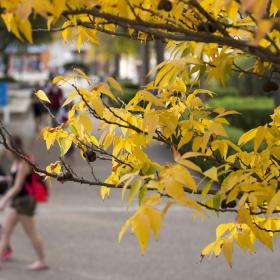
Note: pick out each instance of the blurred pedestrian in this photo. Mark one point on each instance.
(62, 119)
(4, 181)
(55, 95)
(4, 186)
(20, 207)
(39, 111)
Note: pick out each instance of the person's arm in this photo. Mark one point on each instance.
(22, 172)
(5, 178)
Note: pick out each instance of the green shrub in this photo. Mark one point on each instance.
(8, 79)
(238, 103)
(254, 111)
(234, 133)
(129, 90)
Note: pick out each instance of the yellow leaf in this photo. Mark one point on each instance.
(147, 96)
(82, 73)
(162, 72)
(91, 35)
(65, 30)
(232, 195)
(189, 202)
(58, 79)
(191, 154)
(105, 90)
(197, 143)
(114, 84)
(206, 188)
(190, 164)
(273, 204)
(244, 240)
(94, 141)
(150, 122)
(247, 136)
(8, 18)
(207, 250)
(265, 238)
(212, 173)
(263, 28)
(65, 145)
(26, 29)
(222, 228)
(59, 6)
(188, 135)
(50, 140)
(167, 206)
(42, 96)
(79, 42)
(228, 249)
(124, 229)
(141, 228)
(218, 129)
(104, 191)
(155, 217)
(49, 22)
(175, 190)
(133, 190)
(54, 168)
(242, 201)
(72, 96)
(97, 105)
(183, 176)
(86, 122)
(261, 131)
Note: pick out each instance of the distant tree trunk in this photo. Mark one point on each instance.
(6, 64)
(106, 67)
(5, 57)
(117, 58)
(276, 93)
(145, 68)
(159, 47)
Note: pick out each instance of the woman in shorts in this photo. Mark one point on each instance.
(20, 208)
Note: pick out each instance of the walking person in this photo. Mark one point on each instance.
(55, 95)
(62, 118)
(20, 208)
(39, 110)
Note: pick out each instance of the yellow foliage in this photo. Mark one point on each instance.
(177, 116)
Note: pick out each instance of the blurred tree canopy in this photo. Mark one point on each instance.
(10, 39)
(204, 38)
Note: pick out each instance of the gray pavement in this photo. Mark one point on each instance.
(80, 234)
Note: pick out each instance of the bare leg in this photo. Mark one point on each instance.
(31, 231)
(10, 222)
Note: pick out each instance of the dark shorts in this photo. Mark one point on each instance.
(24, 205)
(38, 109)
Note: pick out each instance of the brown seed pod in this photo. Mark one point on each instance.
(165, 5)
(270, 86)
(225, 205)
(64, 177)
(90, 156)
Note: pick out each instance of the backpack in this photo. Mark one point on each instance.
(37, 187)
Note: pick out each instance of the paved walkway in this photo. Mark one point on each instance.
(80, 233)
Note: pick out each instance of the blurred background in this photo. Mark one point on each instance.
(80, 230)
(23, 65)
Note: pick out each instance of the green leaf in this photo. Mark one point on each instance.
(133, 190)
(141, 194)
